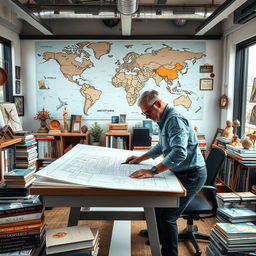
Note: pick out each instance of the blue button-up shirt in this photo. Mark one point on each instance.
(177, 142)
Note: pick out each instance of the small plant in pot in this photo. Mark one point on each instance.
(96, 132)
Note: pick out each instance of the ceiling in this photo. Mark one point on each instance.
(117, 17)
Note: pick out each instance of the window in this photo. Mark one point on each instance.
(6, 92)
(2, 66)
(245, 87)
(250, 107)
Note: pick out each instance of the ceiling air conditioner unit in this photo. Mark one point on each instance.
(245, 12)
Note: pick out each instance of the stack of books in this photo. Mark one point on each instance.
(26, 152)
(75, 240)
(245, 156)
(235, 215)
(48, 146)
(118, 127)
(22, 226)
(228, 238)
(201, 141)
(19, 178)
(223, 141)
(228, 199)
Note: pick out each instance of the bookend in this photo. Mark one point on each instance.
(6, 133)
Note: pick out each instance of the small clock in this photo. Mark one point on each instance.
(223, 101)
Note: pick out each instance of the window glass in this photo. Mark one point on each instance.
(250, 119)
(2, 66)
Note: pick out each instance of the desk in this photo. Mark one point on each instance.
(75, 197)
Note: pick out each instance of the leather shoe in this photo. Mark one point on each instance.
(143, 233)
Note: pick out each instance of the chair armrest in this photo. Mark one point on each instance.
(209, 187)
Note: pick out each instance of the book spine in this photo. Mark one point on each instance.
(19, 243)
(18, 248)
(20, 228)
(39, 210)
(18, 238)
(19, 234)
(20, 219)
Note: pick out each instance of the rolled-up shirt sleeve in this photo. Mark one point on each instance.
(155, 151)
(175, 151)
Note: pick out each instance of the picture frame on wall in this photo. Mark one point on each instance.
(122, 118)
(19, 103)
(206, 84)
(114, 119)
(17, 72)
(206, 68)
(17, 87)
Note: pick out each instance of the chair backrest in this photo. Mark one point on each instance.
(214, 163)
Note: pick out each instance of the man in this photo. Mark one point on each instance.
(179, 146)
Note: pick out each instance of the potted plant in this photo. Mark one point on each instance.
(96, 133)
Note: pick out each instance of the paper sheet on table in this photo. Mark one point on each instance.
(101, 167)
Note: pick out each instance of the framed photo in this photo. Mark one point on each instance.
(76, 126)
(223, 101)
(206, 84)
(217, 134)
(206, 68)
(19, 103)
(17, 87)
(17, 72)
(122, 118)
(114, 119)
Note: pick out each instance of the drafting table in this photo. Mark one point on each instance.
(89, 176)
(76, 197)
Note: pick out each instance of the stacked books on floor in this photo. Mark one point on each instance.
(15, 195)
(201, 141)
(19, 178)
(245, 156)
(22, 227)
(235, 215)
(75, 240)
(232, 239)
(26, 151)
(229, 199)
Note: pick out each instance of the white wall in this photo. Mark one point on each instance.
(232, 35)
(211, 110)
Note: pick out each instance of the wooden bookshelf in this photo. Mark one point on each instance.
(111, 140)
(4, 144)
(232, 174)
(65, 142)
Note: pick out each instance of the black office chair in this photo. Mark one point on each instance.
(199, 208)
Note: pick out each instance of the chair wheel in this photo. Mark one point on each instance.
(198, 253)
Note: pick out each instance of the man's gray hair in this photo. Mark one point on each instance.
(148, 97)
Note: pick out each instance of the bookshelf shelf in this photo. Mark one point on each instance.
(7, 143)
(120, 140)
(236, 176)
(51, 146)
(3, 155)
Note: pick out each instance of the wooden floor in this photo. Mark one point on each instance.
(58, 217)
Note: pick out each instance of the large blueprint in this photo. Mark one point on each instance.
(101, 167)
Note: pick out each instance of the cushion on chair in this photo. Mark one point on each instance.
(198, 205)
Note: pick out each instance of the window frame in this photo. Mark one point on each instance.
(240, 84)
(8, 87)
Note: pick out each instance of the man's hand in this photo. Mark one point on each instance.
(133, 160)
(142, 173)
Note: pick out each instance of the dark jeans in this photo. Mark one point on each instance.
(192, 180)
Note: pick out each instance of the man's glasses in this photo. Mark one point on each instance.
(145, 113)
